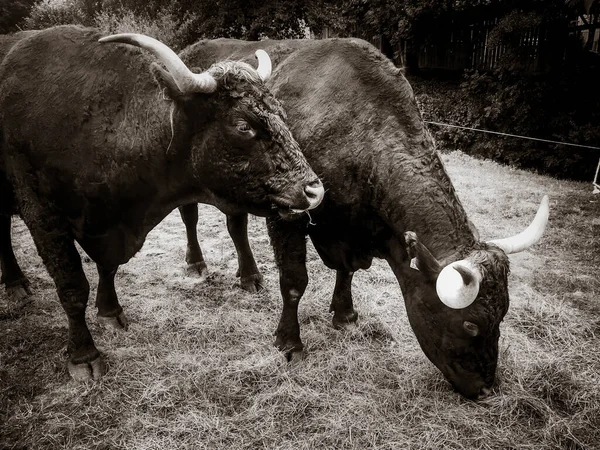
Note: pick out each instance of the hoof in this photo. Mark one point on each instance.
(295, 356)
(116, 323)
(19, 293)
(92, 370)
(198, 269)
(345, 326)
(253, 283)
(345, 322)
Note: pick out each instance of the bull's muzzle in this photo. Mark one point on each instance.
(305, 198)
(314, 193)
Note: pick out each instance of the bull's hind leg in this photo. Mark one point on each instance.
(15, 283)
(341, 304)
(193, 253)
(250, 277)
(57, 249)
(110, 312)
(289, 245)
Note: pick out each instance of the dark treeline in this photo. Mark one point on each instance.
(546, 89)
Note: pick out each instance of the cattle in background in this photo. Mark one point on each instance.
(18, 288)
(388, 196)
(99, 143)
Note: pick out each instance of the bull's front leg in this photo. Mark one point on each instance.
(193, 254)
(110, 312)
(250, 277)
(289, 244)
(342, 307)
(56, 246)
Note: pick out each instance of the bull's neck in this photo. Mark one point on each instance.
(414, 193)
(156, 148)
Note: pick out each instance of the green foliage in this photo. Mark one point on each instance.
(182, 22)
(251, 19)
(12, 12)
(49, 13)
(563, 108)
(165, 26)
(558, 100)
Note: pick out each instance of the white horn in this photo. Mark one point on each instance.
(186, 80)
(457, 284)
(264, 64)
(530, 235)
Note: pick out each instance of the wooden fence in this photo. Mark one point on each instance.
(476, 45)
(474, 48)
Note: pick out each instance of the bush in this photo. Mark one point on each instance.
(48, 13)
(564, 108)
(12, 13)
(165, 26)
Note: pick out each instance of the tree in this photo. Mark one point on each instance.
(244, 19)
(12, 13)
(413, 22)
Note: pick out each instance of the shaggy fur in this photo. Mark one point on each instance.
(91, 151)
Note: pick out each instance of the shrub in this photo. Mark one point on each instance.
(12, 13)
(164, 26)
(562, 107)
(48, 13)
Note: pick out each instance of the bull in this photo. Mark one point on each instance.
(99, 143)
(388, 196)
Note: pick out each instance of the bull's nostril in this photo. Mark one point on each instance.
(310, 193)
(315, 192)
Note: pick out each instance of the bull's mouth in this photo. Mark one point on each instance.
(291, 207)
(286, 208)
(290, 214)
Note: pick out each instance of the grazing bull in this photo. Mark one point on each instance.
(388, 196)
(99, 144)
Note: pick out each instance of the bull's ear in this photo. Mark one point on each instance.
(166, 82)
(421, 257)
(473, 229)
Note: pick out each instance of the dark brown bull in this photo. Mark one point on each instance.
(99, 144)
(357, 120)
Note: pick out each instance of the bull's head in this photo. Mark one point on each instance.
(456, 310)
(241, 148)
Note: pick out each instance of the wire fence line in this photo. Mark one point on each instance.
(512, 135)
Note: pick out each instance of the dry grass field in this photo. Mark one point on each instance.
(196, 369)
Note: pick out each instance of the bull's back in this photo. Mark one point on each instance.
(205, 52)
(65, 97)
(7, 41)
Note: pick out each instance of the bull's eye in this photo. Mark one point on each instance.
(471, 328)
(244, 128)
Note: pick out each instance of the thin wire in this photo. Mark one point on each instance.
(513, 135)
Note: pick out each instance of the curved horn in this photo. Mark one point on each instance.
(457, 285)
(530, 235)
(186, 80)
(264, 64)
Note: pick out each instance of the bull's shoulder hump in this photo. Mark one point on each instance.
(77, 47)
(354, 50)
(208, 51)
